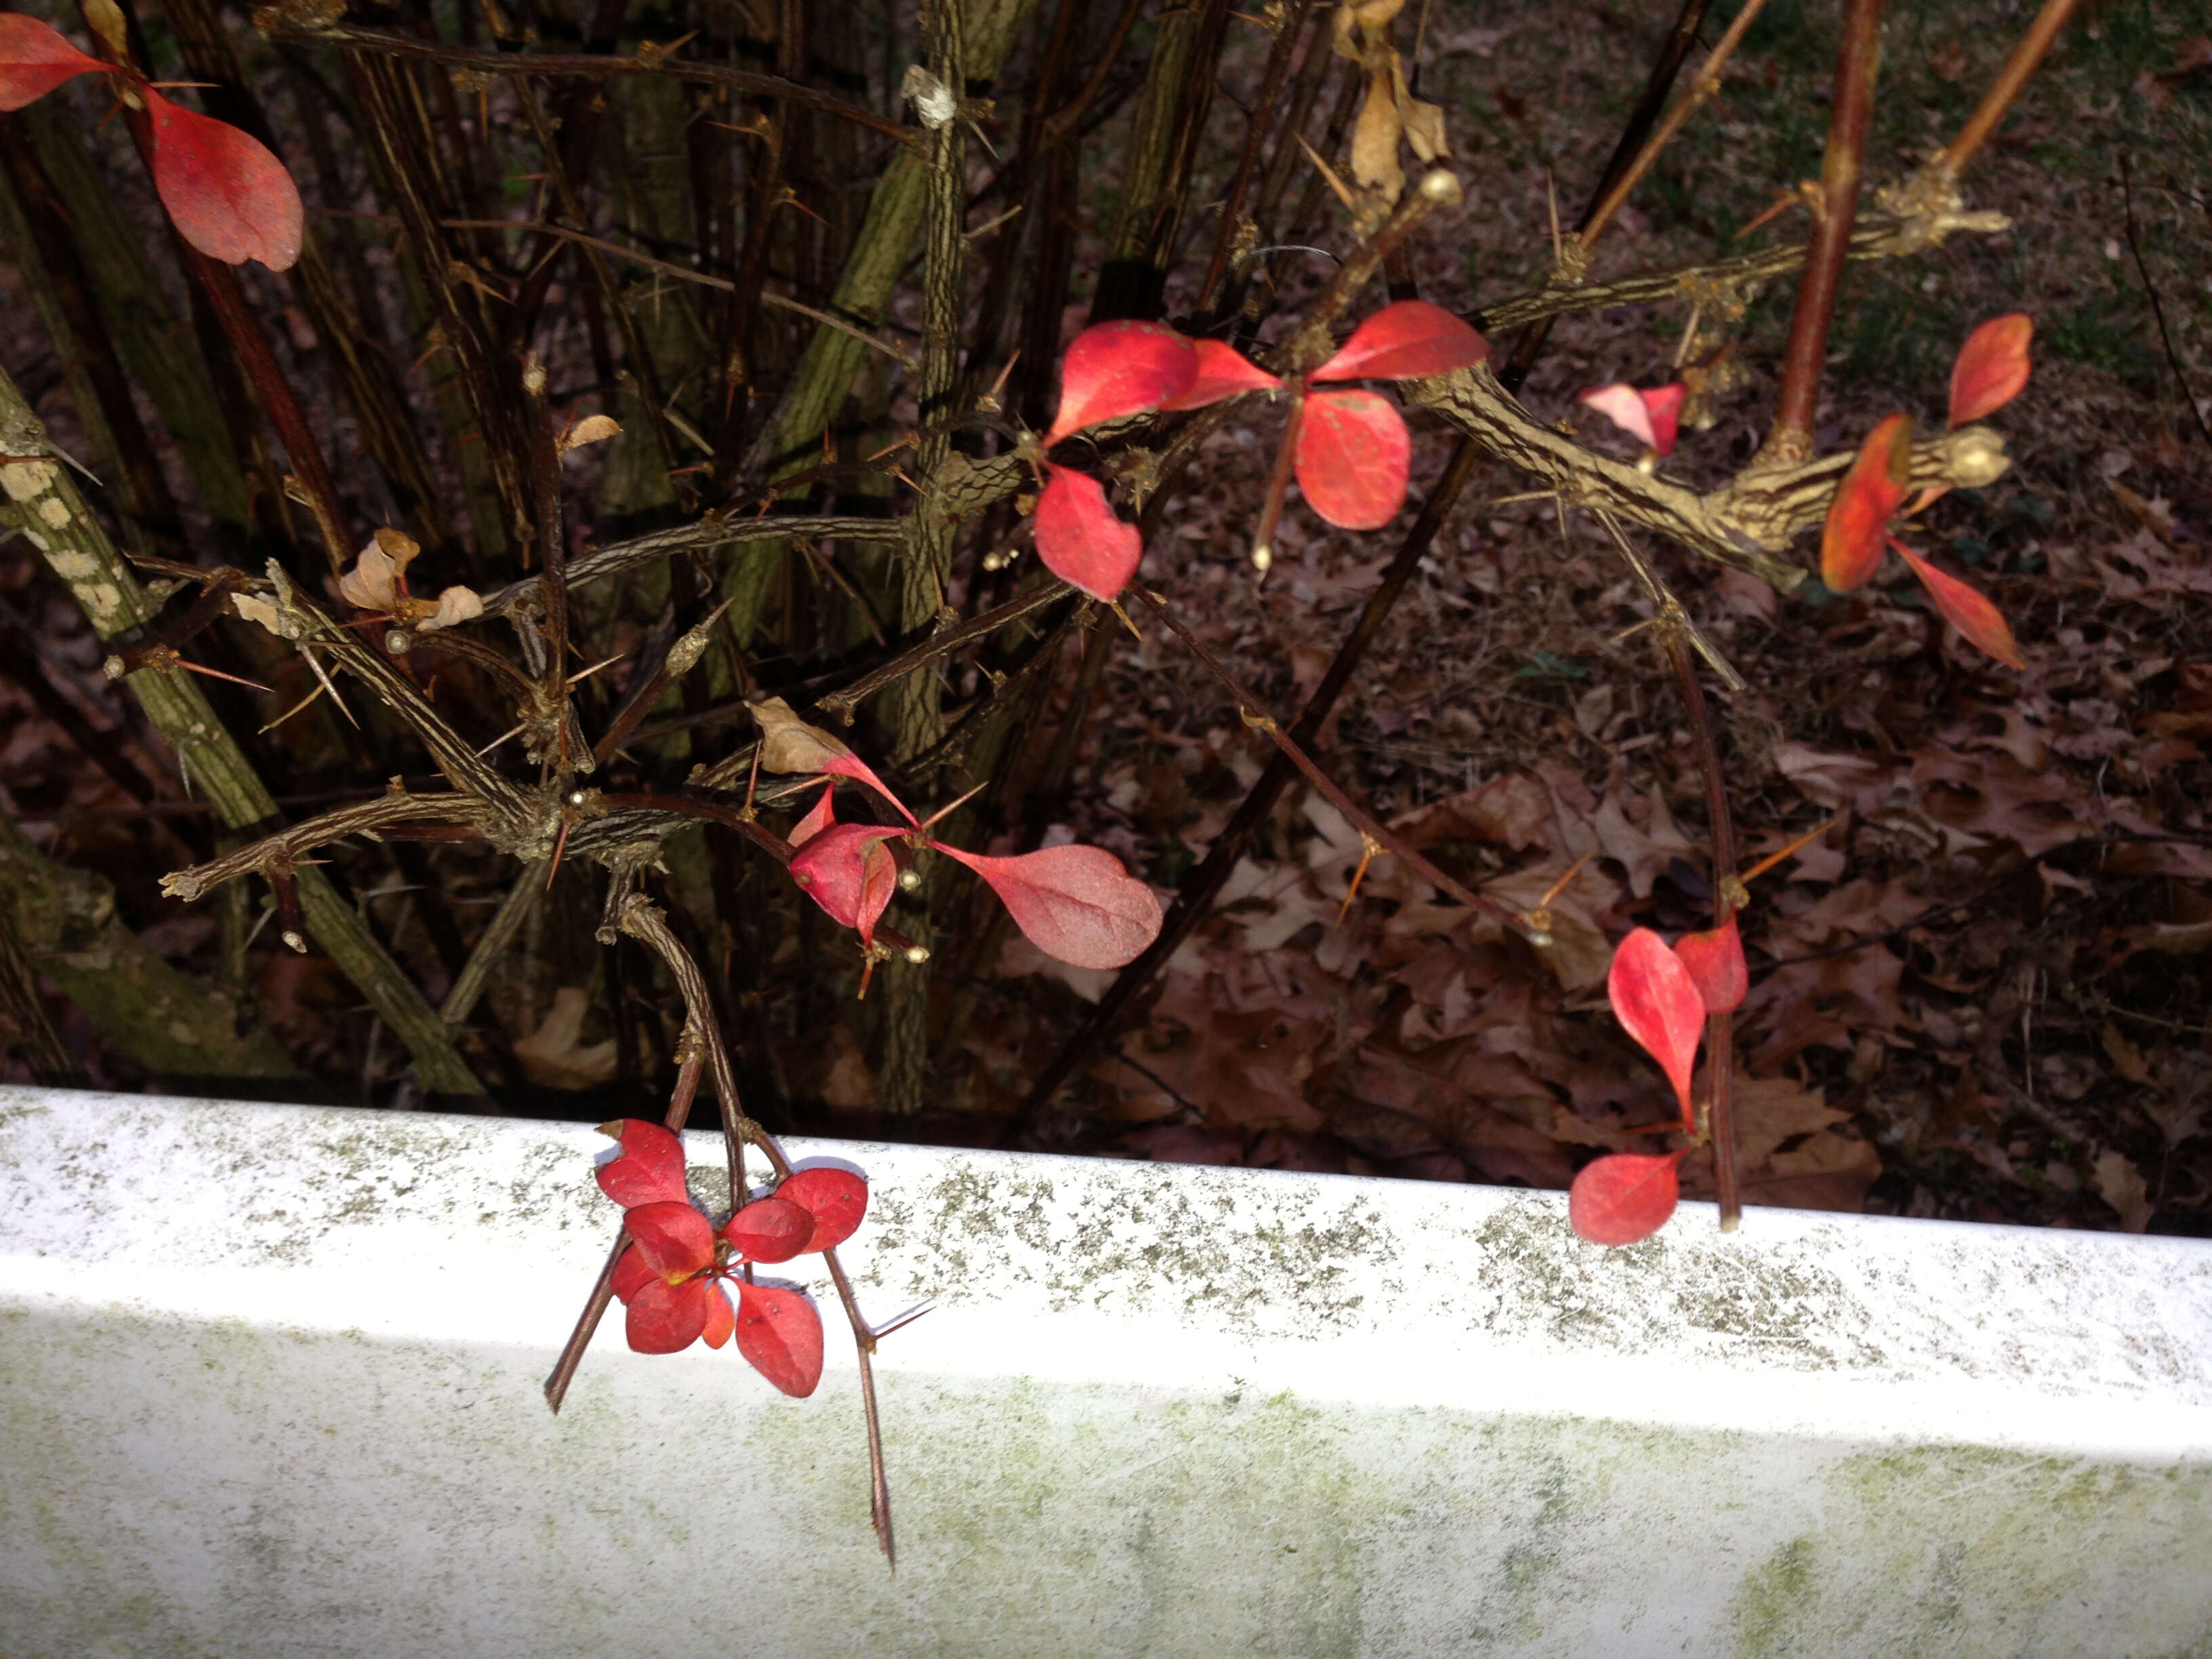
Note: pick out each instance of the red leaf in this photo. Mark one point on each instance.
(229, 197)
(1665, 403)
(850, 873)
(721, 1319)
(632, 1274)
(1851, 542)
(1353, 455)
(780, 1334)
(1990, 367)
(648, 1170)
(1623, 1197)
(769, 1230)
(819, 817)
(1407, 341)
(666, 1318)
(35, 59)
(836, 1199)
(674, 1239)
(1715, 959)
(1223, 372)
(1966, 609)
(850, 765)
(1657, 1003)
(1076, 904)
(1114, 369)
(1080, 539)
(1652, 418)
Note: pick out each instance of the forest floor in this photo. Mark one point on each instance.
(1980, 991)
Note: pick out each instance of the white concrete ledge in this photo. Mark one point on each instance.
(270, 1385)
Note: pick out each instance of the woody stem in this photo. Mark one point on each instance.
(603, 1291)
(1278, 481)
(1720, 1027)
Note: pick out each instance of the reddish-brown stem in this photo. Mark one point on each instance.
(1638, 147)
(2026, 57)
(879, 1484)
(1278, 481)
(864, 1345)
(220, 283)
(1631, 171)
(641, 920)
(939, 644)
(289, 926)
(765, 188)
(603, 1290)
(1311, 345)
(1856, 60)
(587, 1325)
(576, 119)
(729, 817)
(1720, 1027)
(552, 583)
(211, 604)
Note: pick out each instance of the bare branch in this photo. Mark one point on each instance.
(484, 61)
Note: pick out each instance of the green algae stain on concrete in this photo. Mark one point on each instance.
(1033, 1517)
(1769, 1610)
(1944, 1549)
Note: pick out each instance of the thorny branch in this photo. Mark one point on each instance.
(277, 25)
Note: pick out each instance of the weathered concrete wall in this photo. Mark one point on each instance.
(268, 1384)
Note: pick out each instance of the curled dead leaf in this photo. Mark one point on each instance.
(380, 569)
(592, 430)
(788, 744)
(455, 604)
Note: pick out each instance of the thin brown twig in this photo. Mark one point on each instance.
(491, 62)
(864, 1344)
(1255, 714)
(1064, 120)
(1720, 1026)
(843, 703)
(1288, 29)
(1707, 83)
(898, 354)
(2029, 53)
(2157, 309)
(1196, 894)
(603, 1291)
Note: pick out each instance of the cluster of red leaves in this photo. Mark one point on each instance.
(1078, 904)
(1661, 995)
(670, 1277)
(228, 197)
(1989, 373)
(1351, 449)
